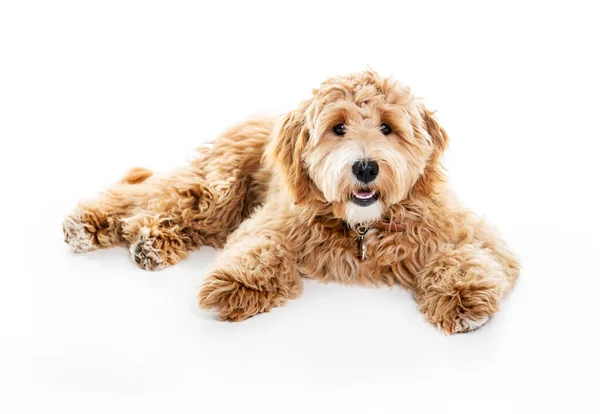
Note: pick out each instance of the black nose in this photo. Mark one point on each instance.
(365, 170)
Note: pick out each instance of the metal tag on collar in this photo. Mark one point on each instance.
(361, 231)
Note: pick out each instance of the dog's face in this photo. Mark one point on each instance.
(361, 145)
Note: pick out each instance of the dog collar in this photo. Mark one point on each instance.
(362, 230)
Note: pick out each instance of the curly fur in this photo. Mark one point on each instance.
(276, 195)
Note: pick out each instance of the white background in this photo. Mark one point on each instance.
(89, 89)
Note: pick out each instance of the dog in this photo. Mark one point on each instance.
(347, 188)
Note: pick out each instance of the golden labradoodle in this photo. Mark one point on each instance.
(346, 188)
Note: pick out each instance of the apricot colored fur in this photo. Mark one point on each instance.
(276, 195)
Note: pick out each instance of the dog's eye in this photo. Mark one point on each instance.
(385, 129)
(339, 129)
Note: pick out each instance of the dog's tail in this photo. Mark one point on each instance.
(136, 176)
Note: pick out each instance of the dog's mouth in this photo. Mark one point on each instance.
(364, 197)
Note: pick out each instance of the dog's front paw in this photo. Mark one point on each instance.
(232, 300)
(148, 251)
(77, 232)
(461, 308)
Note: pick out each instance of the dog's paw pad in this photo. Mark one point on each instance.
(146, 253)
(77, 235)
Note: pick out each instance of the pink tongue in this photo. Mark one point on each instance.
(364, 193)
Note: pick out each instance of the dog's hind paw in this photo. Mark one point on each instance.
(146, 251)
(77, 234)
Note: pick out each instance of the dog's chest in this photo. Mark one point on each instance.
(353, 257)
(380, 248)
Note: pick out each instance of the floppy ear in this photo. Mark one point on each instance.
(429, 183)
(285, 152)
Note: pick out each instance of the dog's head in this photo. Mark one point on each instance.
(363, 143)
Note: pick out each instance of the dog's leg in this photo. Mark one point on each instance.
(202, 204)
(255, 273)
(95, 223)
(155, 241)
(162, 217)
(460, 287)
(167, 215)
